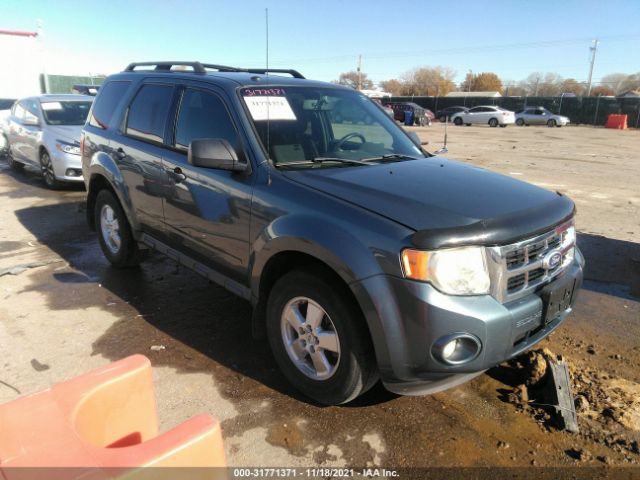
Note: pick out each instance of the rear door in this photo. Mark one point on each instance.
(139, 152)
(207, 211)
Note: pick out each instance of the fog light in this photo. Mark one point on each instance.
(456, 349)
(73, 172)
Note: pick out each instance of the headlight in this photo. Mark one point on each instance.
(456, 271)
(67, 147)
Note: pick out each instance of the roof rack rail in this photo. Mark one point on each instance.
(202, 68)
(293, 73)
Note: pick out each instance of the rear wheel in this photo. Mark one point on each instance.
(49, 176)
(114, 232)
(493, 122)
(13, 164)
(551, 123)
(443, 118)
(457, 121)
(319, 338)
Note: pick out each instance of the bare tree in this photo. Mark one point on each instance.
(616, 81)
(428, 81)
(571, 85)
(350, 79)
(393, 86)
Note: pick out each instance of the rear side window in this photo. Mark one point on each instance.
(106, 103)
(203, 115)
(148, 113)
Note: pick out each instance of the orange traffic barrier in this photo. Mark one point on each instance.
(104, 425)
(616, 121)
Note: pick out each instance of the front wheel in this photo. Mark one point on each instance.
(319, 338)
(46, 167)
(551, 123)
(520, 122)
(457, 121)
(493, 122)
(114, 232)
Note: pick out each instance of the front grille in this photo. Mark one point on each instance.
(520, 268)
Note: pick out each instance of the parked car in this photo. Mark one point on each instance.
(388, 110)
(540, 116)
(5, 110)
(82, 89)
(421, 116)
(448, 112)
(485, 114)
(44, 131)
(363, 256)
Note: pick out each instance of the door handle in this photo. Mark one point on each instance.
(176, 174)
(120, 153)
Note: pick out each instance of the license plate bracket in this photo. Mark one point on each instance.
(557, 297)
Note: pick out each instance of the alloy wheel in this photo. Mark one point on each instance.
(110, 229)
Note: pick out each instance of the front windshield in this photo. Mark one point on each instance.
(65, 113)
(299, 124)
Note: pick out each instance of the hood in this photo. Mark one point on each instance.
(446, 202)
(68, 133)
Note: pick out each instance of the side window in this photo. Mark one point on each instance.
(148, 113)
(19, 111)
(203, 115)
(105, 105)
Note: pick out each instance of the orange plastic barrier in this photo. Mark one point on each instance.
(104, 425)
(616, 121)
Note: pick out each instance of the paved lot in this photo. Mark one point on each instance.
(73, 313)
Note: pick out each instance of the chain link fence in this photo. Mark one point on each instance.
(580, 110)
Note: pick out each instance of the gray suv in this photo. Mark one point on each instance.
(363, 256)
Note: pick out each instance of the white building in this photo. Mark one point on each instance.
(23, 53)
(474, 94)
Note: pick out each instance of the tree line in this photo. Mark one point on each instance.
(438, 81)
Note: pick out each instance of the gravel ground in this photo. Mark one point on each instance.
(65, 311)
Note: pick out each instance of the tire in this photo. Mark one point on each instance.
(520, 122)
(443, 118)
(503, 126)
(551, 123)
(48, 175)
(348, 367)
(493, 122)
(457, 121)
(116, 239)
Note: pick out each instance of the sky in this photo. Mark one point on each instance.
(321, 39)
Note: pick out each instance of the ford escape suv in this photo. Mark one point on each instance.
(363, 256)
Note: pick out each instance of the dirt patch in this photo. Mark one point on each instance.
(608, 407)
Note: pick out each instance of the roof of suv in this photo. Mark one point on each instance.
(239, 76)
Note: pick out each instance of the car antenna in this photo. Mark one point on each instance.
(266, 18)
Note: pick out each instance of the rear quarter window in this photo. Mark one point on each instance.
(106, 103)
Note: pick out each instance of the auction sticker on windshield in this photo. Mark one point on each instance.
(269, 108)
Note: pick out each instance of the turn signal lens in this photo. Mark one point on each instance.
(416, 264)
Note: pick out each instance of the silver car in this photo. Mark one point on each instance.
(540, 116)
(44, 132)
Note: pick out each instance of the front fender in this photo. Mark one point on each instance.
(103, 165)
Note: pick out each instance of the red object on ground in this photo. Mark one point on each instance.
(104, 425)
(616, 121)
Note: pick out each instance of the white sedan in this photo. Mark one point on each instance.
(488, 115)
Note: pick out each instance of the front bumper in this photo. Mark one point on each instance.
(67, 167)
(406, 318)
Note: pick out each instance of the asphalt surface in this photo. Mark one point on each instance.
(64, 310)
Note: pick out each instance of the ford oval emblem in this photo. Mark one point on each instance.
(552, 260)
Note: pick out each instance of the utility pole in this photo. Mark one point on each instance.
(593, 49)
(359, 72)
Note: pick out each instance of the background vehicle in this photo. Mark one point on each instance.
(81, 89)
(489, 115)
(362, 256)
(449, 112)
(540, 116)
(421, 116)
(5, 110)
(44, 131)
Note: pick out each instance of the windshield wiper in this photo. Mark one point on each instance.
(390, 156)
(323, 159)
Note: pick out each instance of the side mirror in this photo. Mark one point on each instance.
(416, 139)
(214, 153)
(31, 121)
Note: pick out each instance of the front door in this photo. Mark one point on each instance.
(207, 211)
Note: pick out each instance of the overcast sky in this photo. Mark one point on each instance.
(324, 38)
